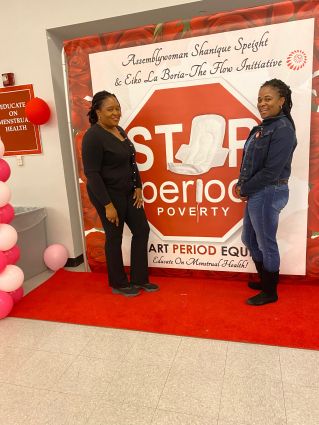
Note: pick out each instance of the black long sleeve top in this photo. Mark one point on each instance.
(109, 163)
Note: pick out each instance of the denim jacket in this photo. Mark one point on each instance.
(267, 154)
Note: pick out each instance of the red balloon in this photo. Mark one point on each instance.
(3, 261)
(17, 294)
(6, 304)
(4, 170)
(6, 213)
(37, 111)
(12, 255)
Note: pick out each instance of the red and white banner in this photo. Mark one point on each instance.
(188, 104)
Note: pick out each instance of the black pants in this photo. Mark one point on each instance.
(136, 220)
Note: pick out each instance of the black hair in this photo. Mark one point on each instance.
(284, 91)
(97, 101)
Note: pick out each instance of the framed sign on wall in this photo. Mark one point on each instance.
(20, 137)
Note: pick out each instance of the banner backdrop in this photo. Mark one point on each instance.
(188, 93)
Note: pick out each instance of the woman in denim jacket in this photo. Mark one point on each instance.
(263, 182)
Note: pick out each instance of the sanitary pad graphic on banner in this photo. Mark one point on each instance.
(204, 150)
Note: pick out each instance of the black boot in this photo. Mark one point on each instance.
(269, 289)
(259, 268)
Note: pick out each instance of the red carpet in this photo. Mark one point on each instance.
(205, 308)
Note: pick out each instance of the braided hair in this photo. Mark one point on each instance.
(97, 101)
(284, 91)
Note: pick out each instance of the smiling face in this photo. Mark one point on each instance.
(109, 113)
(269, 102)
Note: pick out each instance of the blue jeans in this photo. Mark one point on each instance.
(261, 223)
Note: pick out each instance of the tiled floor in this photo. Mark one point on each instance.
(61, 374)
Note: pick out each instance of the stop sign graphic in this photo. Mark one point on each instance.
(189, 141)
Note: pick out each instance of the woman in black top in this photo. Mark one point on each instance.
(115, 189)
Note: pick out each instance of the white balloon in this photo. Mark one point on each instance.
(8, 237)
(5, 194)
(2, 148)
(11, 278)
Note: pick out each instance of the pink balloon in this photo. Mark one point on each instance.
(11, 278)
(6, 213)
(6, 304)
(17, 294)
(1, 147)
(5, 194)
(55, 256)
(8, 236)
(3, 261)
(5, 170)
(12, 255)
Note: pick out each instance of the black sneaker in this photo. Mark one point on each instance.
(262, 298)
(127, 291)
(148, 287)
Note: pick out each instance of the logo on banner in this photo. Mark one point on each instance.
(297, 60)
(189, 140)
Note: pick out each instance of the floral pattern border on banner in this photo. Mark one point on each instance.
(80, 87)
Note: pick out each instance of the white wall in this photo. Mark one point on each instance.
(24, 51)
